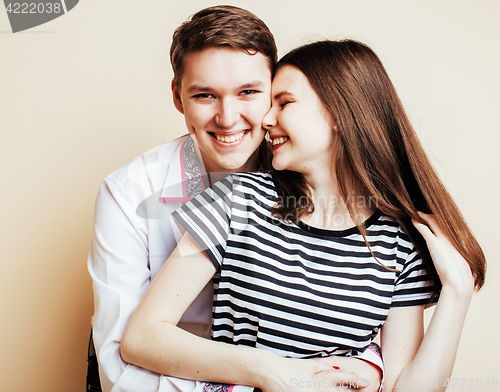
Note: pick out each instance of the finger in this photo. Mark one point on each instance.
(339, 379)
(331, 361)
(431, 222)
(347, 389)
(322, 368)
(424, 230)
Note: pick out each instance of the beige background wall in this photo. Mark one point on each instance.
(89, 91)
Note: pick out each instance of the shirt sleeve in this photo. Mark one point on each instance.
(119, 266)
(413, 285)
(207, 218)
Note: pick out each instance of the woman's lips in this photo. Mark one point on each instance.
(280, 140)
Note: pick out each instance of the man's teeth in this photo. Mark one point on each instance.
(230, 139)
(280, 140)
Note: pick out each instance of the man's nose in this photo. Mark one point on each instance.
(228, 113)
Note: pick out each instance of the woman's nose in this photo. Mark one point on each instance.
(269, 121)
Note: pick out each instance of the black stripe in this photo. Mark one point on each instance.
(282, 245)
(318, 267)
(305, 301)
(332, 284)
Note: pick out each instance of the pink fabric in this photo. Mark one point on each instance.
(183, 170)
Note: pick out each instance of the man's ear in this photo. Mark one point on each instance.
(177, 97)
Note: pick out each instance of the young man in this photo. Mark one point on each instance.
(222, 60)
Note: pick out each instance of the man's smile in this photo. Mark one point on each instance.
(229, 138)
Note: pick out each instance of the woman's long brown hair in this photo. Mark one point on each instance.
(379, 156)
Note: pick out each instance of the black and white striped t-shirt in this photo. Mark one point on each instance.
(294, 289)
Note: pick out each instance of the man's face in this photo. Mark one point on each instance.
(224, 95)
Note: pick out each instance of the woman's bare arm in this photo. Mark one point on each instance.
(152, 340)
(414, 361)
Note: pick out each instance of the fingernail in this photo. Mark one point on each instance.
(336, 367)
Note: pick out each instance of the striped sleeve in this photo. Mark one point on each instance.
(207, 218)
(413, 284)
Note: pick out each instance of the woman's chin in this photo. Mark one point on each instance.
(278, 166)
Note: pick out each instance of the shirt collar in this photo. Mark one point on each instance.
(186, 176)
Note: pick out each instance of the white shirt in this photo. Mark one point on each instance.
(133, 236)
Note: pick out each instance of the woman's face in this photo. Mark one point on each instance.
(300, 128)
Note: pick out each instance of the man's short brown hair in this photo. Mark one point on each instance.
(221, 26)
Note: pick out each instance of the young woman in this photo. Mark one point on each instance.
(316, 257)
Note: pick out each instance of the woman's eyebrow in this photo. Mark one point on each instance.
(282, 93)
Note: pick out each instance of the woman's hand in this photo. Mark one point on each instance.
(331, 374)
(294, 375)
(451, 267)
(350, 372)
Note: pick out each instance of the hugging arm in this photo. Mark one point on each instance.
(411, 358)
(152, 340)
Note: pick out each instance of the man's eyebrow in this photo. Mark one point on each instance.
(197, 88)
(205, 89)
(280, 94)
(255, 83)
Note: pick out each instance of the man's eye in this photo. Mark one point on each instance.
(203, 96)
(249, 92)
(283, 104)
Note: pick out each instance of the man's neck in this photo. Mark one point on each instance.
(217, 173)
